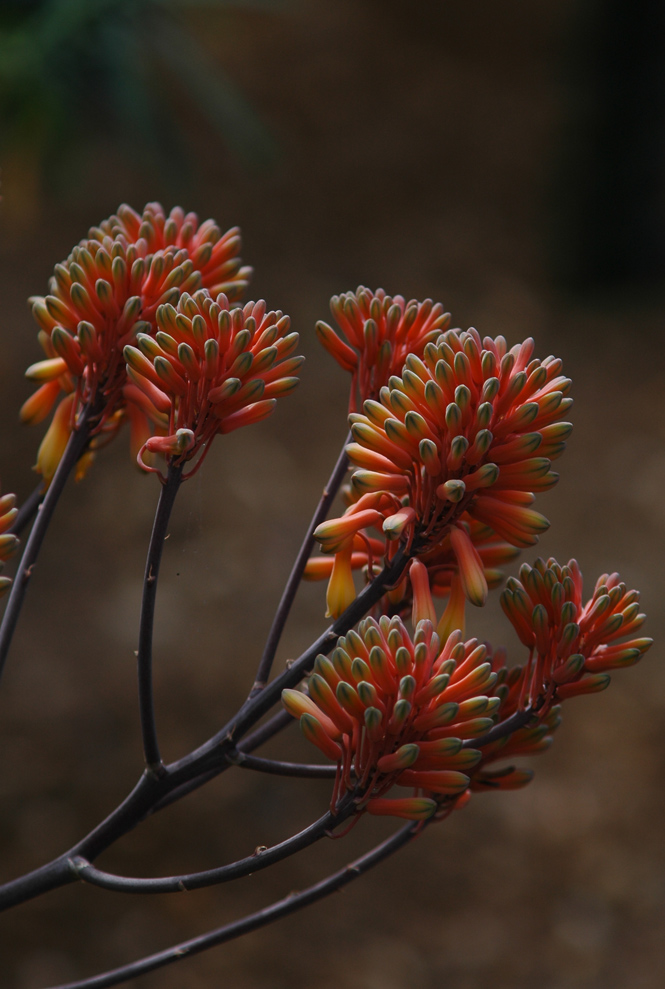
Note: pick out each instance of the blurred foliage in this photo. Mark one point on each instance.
(75, 72)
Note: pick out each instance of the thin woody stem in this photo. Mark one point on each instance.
(73, 451)
(215, 749)
(282, 908)
(180, 778)
(60, 872)
(261, 858)
(295, 577)
(144, 659)
(152, 790)
(282, 719)
(275, 767)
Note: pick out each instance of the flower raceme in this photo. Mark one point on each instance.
(572, 645)
(110, 285)
(391, 710)
(215, 263)
(378, 332)
(209, 369)
(453, 442)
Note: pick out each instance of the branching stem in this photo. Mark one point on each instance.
(154, 791)
(215, 749)
(275, 767)
(260, 859)
(282, 908)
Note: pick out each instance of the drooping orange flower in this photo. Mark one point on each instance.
(378, 332)
(451, 443)
(209, 369)
(571, 645)
(394, 711)
(108, 288)
(371, 545)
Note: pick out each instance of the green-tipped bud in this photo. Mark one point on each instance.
(569, 670)
(400, 713)
(407, 686)
(453, 490)
(401, 759)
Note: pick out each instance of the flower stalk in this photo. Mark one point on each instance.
(167, 498)
(75, 449)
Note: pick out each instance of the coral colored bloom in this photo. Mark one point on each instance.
(423, 606)
(471, 570)
(449, 451)
(450, 446)
(391, 710)
(377, 333)
(214, 256)
(341, 591)
(210, 368)
(572, 645)
(372, 543)
(108, 288)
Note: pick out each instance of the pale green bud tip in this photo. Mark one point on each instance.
(453, 490)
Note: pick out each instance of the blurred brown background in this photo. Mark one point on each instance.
(506, 159)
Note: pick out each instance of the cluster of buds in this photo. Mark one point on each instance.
(379, 332)
(391, 711)
(449, 456)
(395, 711)
(446, 460)
(571, 645)
(107, 290)
(210, 368)
(8, 541)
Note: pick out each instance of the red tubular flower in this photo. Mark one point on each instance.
(572, 645)
(118, 276)
(394, 711)
(449, 448)
(378, 332)
(370, 543)
(209, 369)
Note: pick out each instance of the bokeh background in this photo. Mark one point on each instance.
(505, 159)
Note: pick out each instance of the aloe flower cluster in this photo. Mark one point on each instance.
(210, 368)
(452, 438)
(378, 332)
(450, 458)
(571, 645)
(107, 290)
(392, 711)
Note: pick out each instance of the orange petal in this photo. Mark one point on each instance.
(53, 445)
(471, 570)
